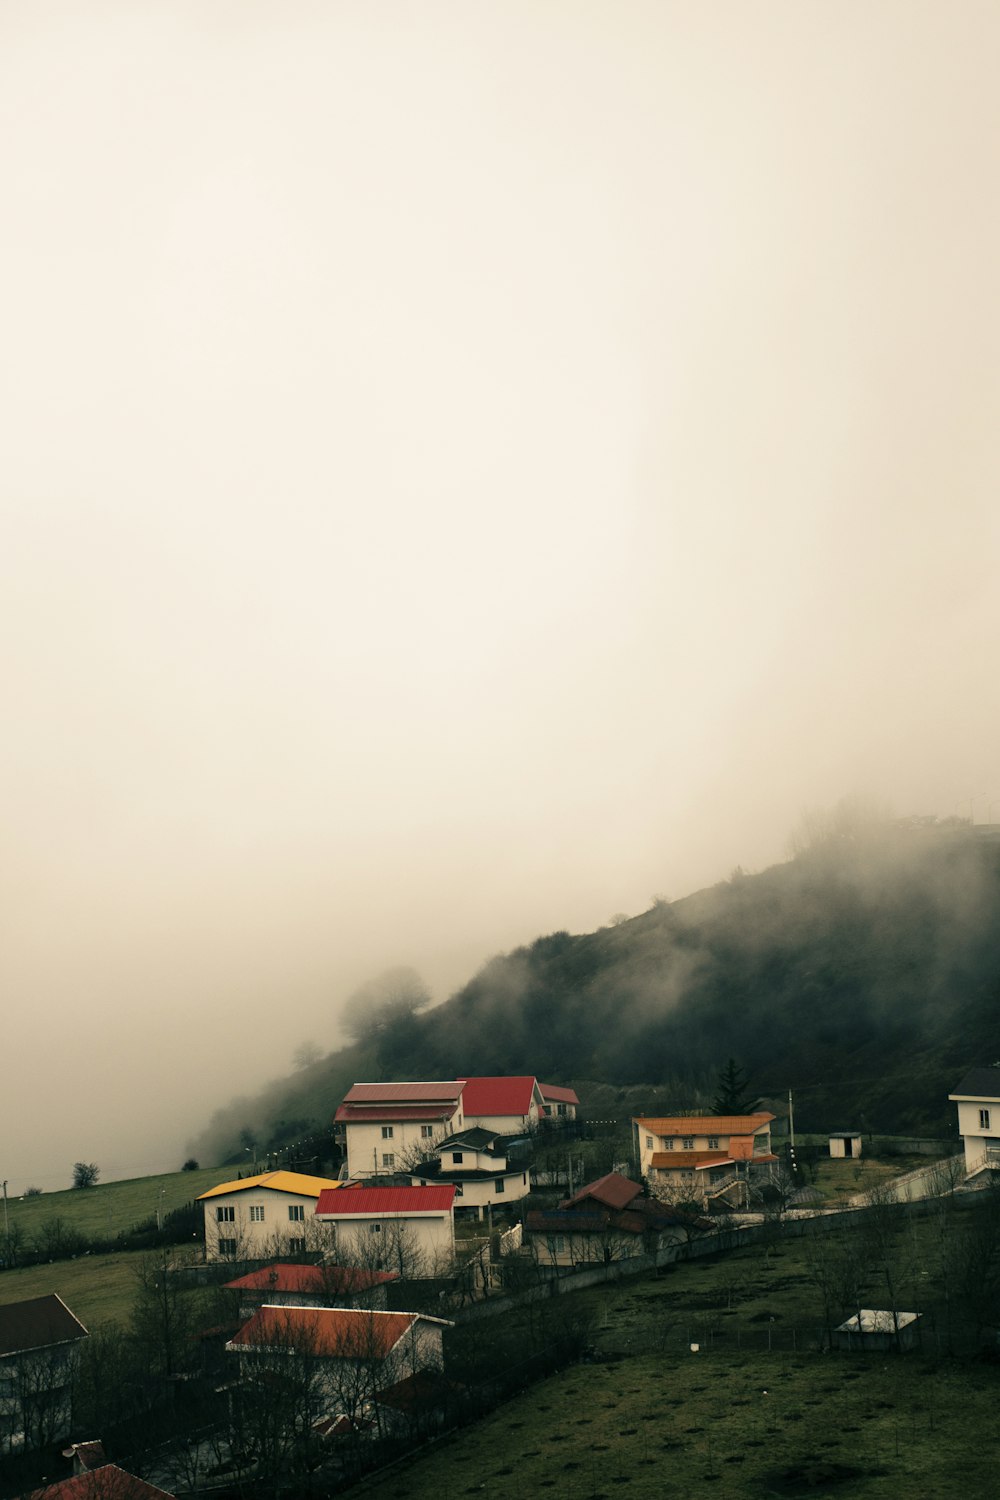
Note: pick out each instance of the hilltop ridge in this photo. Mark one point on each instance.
(864, 973)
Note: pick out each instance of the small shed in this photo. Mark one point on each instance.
(874, 1329)
(845, 1143)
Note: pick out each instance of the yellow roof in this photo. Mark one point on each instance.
(278, 1182)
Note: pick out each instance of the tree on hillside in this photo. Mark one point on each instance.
(85, 1174)
(732, 1097)
(382, 1001)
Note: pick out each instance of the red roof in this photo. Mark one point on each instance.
(387, 1201)
(497, 1096)
(404, 1093)
(337, 1332)
(328, 1279)
(380, 1114)
(106, 1483)
(612, 1190)
(552, 1092)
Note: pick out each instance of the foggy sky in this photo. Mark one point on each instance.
(466, 469)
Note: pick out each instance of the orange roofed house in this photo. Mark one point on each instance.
(354, 1353)
(708, 1159)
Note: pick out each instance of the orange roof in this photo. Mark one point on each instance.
(705, 1124)
(337, 1332)
(278, 1182)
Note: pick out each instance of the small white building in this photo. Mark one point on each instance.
(978, 1100)
(410, 1230)
(845, 1143)
(268, 1215)
(875, 1328)
(476, 1166)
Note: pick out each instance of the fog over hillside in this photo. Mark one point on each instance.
(467, 472)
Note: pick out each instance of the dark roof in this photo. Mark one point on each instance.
(979, 1083)
(589, 1217)
(612, 1190)
(442, 1174)
(476, 1138)
(37, 1323)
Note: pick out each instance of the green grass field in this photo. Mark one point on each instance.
(109, 1209)
(96, 1288)
(737, 1418)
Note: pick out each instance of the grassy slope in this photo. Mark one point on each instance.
(736, 1418)
(97, 1288)
(110, 1208)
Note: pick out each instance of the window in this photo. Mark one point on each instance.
(296, 1247)
(560, 1109)
(227, 1248)
(387, 1132)
(456, 1157)
(499, 1185)
(388, 1159)
(984, 1119)
(557, 1244)
(374, 1229)
(668, 1143)
(649, 1143)
(459, 1190)
(546, 1109)
(256, 1213)
(524, 1178)
(687, 1143)
(296, 1211)
(225, 1214)
(713, 1143)
(427, 1132)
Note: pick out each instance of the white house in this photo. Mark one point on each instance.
(701, 1158)
(255, 1217)
(353, 1353)
(39, 1345)
(558, 1104)
(386, 1126)
(978, 1100)
(477, 1168)
(406, 1229)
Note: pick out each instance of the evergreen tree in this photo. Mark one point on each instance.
(733, 1097)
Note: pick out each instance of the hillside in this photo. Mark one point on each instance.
(864, 974)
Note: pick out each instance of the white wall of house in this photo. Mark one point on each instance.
(373, 1239)
(979, 1127)
(252, 1223)
(382, 1148)
(482, 1192)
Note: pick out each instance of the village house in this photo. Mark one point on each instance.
(40, 1341)
(386, 1127)
(476, 1166)
(704, 1159)
(978, 1100)
(257, 1217)
(284, 1285)
(410, 1230)
(106, 1482)
(608, 1220)
(389, 1129)
(558, 1104)
(354, 1353)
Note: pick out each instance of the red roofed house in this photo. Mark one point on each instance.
(558, 1103)
(352, 1353)
(509, 1106)
(39, 1345)
(704, 1158)
(410, 1230)
(282, 1285)
(387, 1125)
(610, 1219)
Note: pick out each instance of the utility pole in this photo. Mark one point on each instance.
(6, 1226)
(791, 1121)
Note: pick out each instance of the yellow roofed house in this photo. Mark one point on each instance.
(272, 1214)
